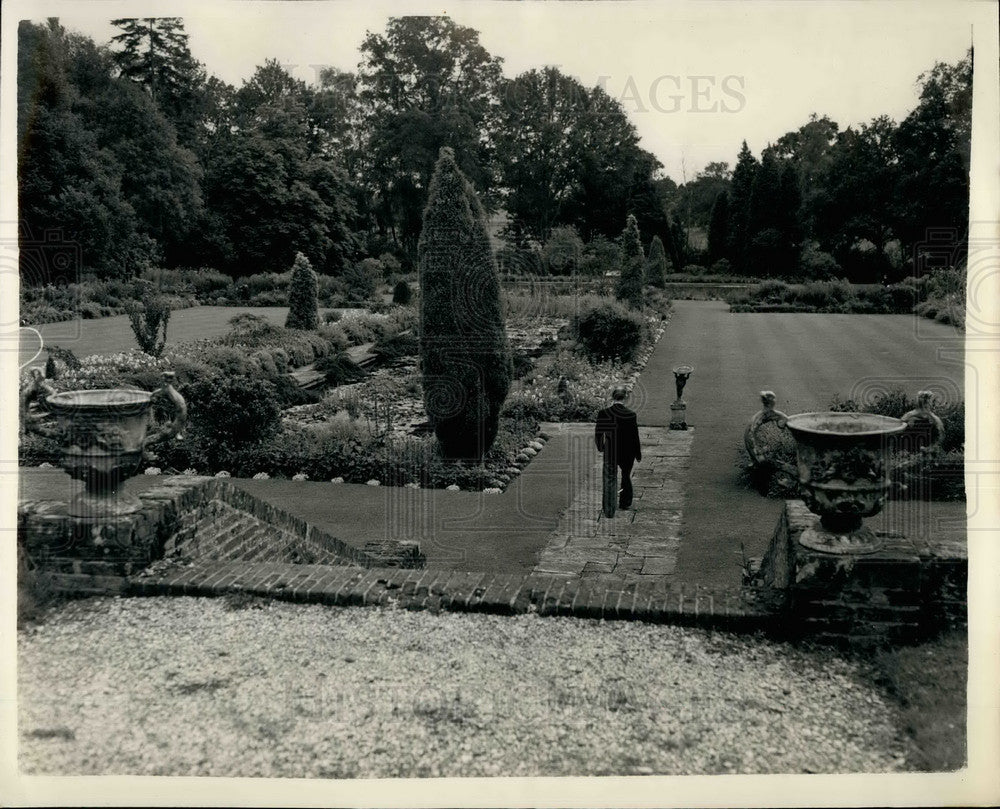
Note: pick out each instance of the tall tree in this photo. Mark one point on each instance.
(154, 52)
(933, 146)
(268, 194)
(739, 207)
(425, 83)
(718, 229)
(859, 196)
(464, 354)
(536, 149)
(70, 174)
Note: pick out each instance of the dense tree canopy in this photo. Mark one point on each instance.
(139, 157)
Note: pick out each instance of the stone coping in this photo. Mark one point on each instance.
(612, 597)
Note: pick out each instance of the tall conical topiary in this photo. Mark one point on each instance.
(464, 354)
(633, 272)
(303, 309)
(656, 266)
(630, 241)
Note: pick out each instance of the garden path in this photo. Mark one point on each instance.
(638, 543)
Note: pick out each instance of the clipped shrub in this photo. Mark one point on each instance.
(694, 269)
(609, 331)
(303, 307)
(656, 267)
(630, 283)
(401, 293)
(465, 359)
(722, 267)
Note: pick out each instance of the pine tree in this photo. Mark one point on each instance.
(718, 229)
(656, 268)
(154, 53)
(739, 207)
(303, 308)
(465, 359)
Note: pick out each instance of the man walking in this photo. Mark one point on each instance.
(617, 436)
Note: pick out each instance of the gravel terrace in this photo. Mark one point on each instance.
(191, 686)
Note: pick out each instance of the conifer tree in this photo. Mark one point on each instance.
(303, 308)
(465, 360)
(656, 268)
(718, 229)
(739, 207)
(633, 271)
(154, 53)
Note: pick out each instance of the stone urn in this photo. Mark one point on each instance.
(102, 434)
(843, 475)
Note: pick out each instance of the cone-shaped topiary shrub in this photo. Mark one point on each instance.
(656, 267)
(633, 272)
(303, 310)
(464, 354)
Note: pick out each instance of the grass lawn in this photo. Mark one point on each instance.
(108, 335)
(928, 681)
(805, 359)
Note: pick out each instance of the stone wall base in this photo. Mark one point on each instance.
(904, 592)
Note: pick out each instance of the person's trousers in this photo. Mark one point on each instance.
(625, 499)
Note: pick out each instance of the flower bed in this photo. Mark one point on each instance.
(374, 430)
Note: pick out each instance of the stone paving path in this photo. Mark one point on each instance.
(640, 542)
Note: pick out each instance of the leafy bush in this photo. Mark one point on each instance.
(600, 257)
(361, 280)
(226, 412)
(563, 251)
(815, 263)
(401, 293)
(339, 369)
(149, 319)
(609, 331)
(722, 267)
(396, 346)
(303, 311)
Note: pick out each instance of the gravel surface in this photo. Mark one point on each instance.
(228, 687)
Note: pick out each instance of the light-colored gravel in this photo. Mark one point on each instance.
(186, 686)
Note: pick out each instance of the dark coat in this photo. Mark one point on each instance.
(617, 426)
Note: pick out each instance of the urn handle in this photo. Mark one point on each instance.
(34, 412)
(167, 393)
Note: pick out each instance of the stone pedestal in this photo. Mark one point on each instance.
(678, 415)
(902, 591)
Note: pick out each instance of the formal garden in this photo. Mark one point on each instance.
(423, 277)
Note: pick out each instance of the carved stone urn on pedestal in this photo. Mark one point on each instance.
(843, 475)
(102, 434)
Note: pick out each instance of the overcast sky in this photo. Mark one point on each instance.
(696, 78)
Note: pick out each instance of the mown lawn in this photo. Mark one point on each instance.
(108, 335)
